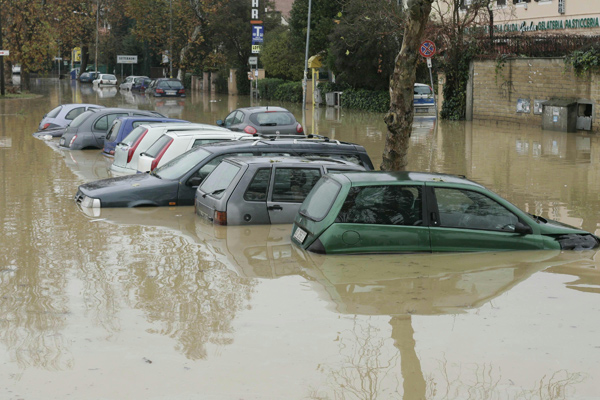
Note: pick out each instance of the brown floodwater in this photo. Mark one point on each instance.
(157, 304)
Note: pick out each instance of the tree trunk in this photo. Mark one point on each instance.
(85, 57)
(399, 118)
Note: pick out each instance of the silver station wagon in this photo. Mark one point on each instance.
(262, 190)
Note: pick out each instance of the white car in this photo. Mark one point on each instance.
(127, 152)
(128, 82)
(173, 144)
(105, 80)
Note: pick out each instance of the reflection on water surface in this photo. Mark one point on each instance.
(156, 303)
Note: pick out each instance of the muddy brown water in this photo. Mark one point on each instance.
(157, 304)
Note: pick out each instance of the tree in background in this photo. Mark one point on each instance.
(279, 58)
(323, 13)
(399, 118)
(28, 35)
(365, 40)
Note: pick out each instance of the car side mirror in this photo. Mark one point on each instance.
(194, 181)
(220, 122)
(523, 229)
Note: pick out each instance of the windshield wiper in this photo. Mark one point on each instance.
(154, 174)
(215, 192)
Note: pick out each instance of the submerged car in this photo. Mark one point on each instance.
(382, 212)
(88, 77)
(262, 190)
(166, 87)
(263, 120)
(127, 84)
(105, 80)
(175, 183)
(121, 127)
(423, 99)
(140, 84)
(89, 129)
(58, 118)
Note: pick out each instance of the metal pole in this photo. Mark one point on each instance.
(1, 60)
(304, 82)
(97, 19)
(432, 89)
(170, 39)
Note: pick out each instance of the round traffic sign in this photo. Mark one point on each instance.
(427, 49)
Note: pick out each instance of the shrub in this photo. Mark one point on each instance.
(268, 87)
(289, 91)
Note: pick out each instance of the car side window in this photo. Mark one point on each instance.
(200, 142)
(383, 205)
(74, 113)
(239, 118)
(353, 158)
(229, 119)
(291, 185)
(259, 186)
(468, 209)
(103, 123)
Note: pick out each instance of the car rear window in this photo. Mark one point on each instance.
(82, 117)
(273, 118)
(158, 146)
(109, 77)
(54, 112)
(134, 135)
(320, 199)
(220, 179)
(112, 132)
(169, 85)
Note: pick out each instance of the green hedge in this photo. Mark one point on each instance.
(279, 89)
(268, 87)
(367, 100)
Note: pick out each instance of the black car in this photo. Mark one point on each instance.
(88, 77)
(176, 182)
(166, 87)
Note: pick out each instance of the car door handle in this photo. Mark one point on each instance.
(274, 208)
(434, 219)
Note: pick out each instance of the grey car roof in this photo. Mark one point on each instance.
(262, 109)
(288, 160)
(378, 177)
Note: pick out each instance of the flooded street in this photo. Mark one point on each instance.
(157, 304)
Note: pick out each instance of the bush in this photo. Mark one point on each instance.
(368, 100)
(268, 87)
(289, 91)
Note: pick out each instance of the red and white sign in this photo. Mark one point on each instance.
(4, 52)
(427, 49)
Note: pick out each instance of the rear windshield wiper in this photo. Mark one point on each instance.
(215, 192)
(269, 124)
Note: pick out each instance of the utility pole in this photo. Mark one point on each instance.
(97, 27)
(1, 59)
(304, 81)
(170, 39)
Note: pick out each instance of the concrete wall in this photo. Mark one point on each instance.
(497, 92)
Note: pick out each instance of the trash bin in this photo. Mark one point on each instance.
(560, 115)
(74, 73)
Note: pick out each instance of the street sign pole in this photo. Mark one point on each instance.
(427, 50)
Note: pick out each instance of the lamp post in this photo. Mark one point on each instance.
(170, 39)
(304, 81)
(97, 19)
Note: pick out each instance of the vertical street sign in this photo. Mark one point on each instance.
(427, 50)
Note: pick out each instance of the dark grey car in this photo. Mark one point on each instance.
(175, 183)
(89, 129)
(263, 120)
(262, 190)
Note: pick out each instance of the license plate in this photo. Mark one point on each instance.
(300, 235)
(422, 109)
(171, 92)
(62, 141)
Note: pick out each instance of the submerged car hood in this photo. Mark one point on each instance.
(118, 184)
(552, 227)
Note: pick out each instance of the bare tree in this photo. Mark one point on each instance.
(400, 116)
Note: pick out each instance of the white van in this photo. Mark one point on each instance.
(142, 137)
(173, 144)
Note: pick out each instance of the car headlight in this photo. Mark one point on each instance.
(90, 202)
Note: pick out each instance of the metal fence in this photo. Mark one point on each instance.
(534, 46)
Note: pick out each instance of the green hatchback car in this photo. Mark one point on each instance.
(385, 212)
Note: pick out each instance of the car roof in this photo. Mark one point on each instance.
(184, 126)
(201, 132)
(159, 120)
(368, 178)
(262, 109)
(287, 160)
(113, 109)
(224, 147)
(75, 105)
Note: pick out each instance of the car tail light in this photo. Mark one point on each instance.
(72, 140)
(101, 81)
(220, 218)
(250, 130)
(299, 128)
(134, 146)
(181, 91)
(112, 152)
(159, 156)
(159, 91)
(45, 126)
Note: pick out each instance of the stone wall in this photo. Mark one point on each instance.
(502, 92)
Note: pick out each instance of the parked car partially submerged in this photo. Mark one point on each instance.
(166, 87)
(140, 84)
(89, 129)
(262, 190)
(175, 183)
(127, 84)
(60, 117)
(88, 77)
(382, 212)
(105, 80)
(423, 99)
(121, 127)
(265, 120)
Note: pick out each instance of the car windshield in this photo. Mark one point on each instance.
(178, 166)
(169, 85)
(326, 191)
(54, 112)
(82, 117)
(220, 179)
(422, 90)
(134, 135)
(272, 118)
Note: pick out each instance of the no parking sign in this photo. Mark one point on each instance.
(427, 49)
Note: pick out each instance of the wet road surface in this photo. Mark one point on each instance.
(157, 304)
